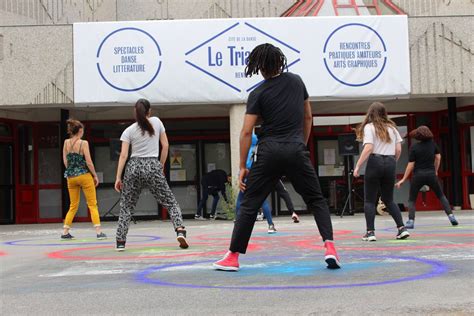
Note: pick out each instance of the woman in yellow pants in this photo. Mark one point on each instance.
(80, 174)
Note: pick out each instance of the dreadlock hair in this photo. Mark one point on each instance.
(266, 59)
(142, 109)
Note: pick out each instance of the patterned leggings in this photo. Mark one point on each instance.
(143, 173)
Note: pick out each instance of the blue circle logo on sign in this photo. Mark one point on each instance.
(353, 56)
(129, 59)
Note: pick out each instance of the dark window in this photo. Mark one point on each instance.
(26, 154)
(5, 130)
(466, 117)
(108, 130)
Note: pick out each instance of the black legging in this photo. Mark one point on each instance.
(274, 161)
(420, 179)
(380, 176)
(280, 188)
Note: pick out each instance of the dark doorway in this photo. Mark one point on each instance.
(7, 186)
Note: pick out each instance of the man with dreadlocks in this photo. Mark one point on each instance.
(282, 106)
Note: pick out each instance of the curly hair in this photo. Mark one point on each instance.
(422, 133)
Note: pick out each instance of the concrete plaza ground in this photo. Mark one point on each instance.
(282, 274)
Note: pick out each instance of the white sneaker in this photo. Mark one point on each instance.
(369, 236)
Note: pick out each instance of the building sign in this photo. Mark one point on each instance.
(203, 61)
(128, 59)
(352, 47)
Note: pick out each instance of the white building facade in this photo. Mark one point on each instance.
(39, 91)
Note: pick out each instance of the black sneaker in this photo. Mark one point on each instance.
(453, 220)
(101, 236)
(212, 216)
(181, 238)
(369, 236)
(403, 233)
(120, 246)
(271, 229)
(68, 236)
(199, 218)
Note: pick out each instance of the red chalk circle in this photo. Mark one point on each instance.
(68, 254)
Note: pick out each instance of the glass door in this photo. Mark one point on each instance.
(6, 184)
(26, 192)
(49, 172)
(330, 169)
(467, 161)
(216, 156)
(182, 174)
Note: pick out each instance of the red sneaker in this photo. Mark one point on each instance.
(330, 256)
(230, 262)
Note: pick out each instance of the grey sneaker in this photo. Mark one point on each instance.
(68, 236)
(410, 224)
(403, 233)
(101, 236)
(369, 236)
(271, 229)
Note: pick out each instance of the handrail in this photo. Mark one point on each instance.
(312, 7)
(293, 8)
(394, 7)
(304, 8)
(318, 6)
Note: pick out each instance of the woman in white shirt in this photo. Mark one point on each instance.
(145, 170)
(382, 148)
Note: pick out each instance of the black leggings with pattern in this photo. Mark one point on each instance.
(141, 173)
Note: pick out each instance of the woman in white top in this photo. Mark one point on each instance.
(145, 170)
(382, 148)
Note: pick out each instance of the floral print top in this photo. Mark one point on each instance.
(76, 165)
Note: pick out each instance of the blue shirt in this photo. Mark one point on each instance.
(250, 156)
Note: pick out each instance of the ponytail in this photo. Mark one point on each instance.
(142, 108)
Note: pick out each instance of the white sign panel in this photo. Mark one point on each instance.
(203, 61)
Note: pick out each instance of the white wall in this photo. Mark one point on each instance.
(435, 7)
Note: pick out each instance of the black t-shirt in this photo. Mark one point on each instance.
(216, 178)
(423, 155)
(279, 102)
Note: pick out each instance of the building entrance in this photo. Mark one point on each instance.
(7, 184)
